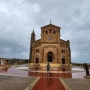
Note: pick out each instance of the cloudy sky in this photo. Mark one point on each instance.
(19, 17)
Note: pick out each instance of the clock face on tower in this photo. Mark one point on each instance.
(49, 38)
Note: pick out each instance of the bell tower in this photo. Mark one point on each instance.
(31, 47)
(50, 33)
(33, 36)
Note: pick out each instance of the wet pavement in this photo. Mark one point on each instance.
(14, 72)
(48, 84)
(48, 80)
(76, 73)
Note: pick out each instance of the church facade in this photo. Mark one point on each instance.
(50, 48)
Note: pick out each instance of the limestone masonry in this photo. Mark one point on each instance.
(50, 48)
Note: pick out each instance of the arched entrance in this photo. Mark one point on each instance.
(50, 56)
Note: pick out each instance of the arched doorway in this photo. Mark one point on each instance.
(63, 60)
(50, 56)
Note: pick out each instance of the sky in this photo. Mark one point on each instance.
(19, 17)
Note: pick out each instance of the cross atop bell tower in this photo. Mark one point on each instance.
(50, 22)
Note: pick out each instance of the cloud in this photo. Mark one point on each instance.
(12, 49)
(19, 17)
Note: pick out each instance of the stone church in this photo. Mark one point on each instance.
(50, 47)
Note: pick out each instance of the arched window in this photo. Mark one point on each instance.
(63, 51)
(46, 32)
(63, 60)
(37, 50)
(54, 32)
(50, 30)
(37, 59)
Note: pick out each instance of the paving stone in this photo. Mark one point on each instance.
(15, 82)
(77, 84)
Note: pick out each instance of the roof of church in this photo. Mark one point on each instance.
(50, 25)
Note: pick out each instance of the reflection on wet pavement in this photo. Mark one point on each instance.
(65, 75)
(48, 80)
(48, 84)
(16, 72)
